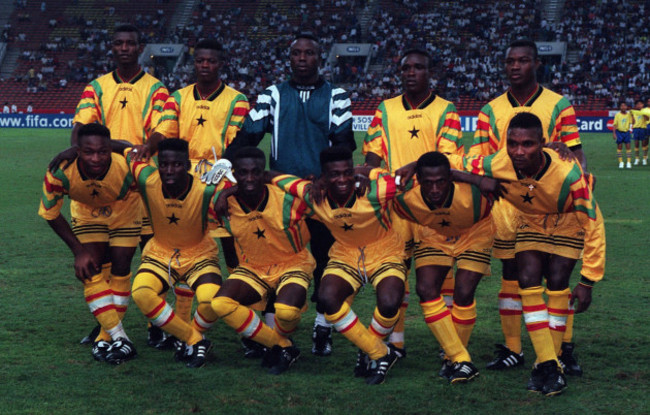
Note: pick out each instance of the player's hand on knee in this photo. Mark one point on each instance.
(68, 155)
(85, 266)
(582, 294)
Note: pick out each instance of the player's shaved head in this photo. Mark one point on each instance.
(525, 43)
(127, 28)
(250, 152)
(93, 130)
(420, 52)
(306, 35)
(527, 121)
(432, 159)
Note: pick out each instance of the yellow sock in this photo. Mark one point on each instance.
(184, 299)
(121, 287)
(510, 313)
(347, 323)
(464, 319)
(99, 298)
(645, 152)
(287, 319)
(146, 287)
(447, 289)
(381, 326)
(438, 319)
(619, 153)
(536, 318)
(246, 323)
(568, 333)
(558, 310)
(397, 336)
(204, 316)
(628, 154)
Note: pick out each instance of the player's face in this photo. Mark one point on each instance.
(623, 107)
(126, 48)
(207, 65)
(305, 59)
(435, 183)
(249, 173)
(639, 105)
(94, 155)
(521, 66)
(173, 167)
(415, 73)
(339, 176)
(525, 149)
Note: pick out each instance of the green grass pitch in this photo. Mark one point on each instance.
(43, 369)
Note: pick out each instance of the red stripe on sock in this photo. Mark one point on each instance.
(349, 326)
(537, 326)
(532, 308)
(103, 309)
(246, 323)
(436, 317)
(156, 310)
(505, 312)
(98, 295)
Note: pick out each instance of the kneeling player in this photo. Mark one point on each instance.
(270, 236)
(366, 250)
(104, 235)
(180, 251)
(557, 216)
(457, 229)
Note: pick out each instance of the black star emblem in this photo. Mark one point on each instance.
(260, 233)
(172, 219)
(527, 198)
(444, 223)
(94, 193)
(414, 132)
(347, 227)
(201, 120)
(123, 102)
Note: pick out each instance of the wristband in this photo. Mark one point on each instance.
(586, 282)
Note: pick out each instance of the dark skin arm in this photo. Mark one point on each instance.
(488, 186)
(147, 150)
(582, 294)
(85, 265)
(221, 204)
(373, 160)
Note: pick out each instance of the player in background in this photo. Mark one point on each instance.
(640, 131)
(304, 115)
(404, 128)
(556, 218)
(105, 231)
(271, 238)
(367, 250)
(180, 250)
(621, 127)
(559, 125)
(128, 101)
(207, 114)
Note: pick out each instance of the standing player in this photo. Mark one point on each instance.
(559, 125)
(640, 132)
(105, 230)
(208, 115)
(180, 250)
(271, 238)
(304, 115)
(367, 250)
(623, 121)
(404, 128)
(456, 229)
(128, 101)
(556, 217)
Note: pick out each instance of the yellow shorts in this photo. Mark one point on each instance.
(298, 269)
(470, 251)
(118, 223)
(372, 263)
(407, 231)
(558, 233)
(181, 265)
(503, 214)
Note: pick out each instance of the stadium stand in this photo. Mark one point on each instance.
(65, 46)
